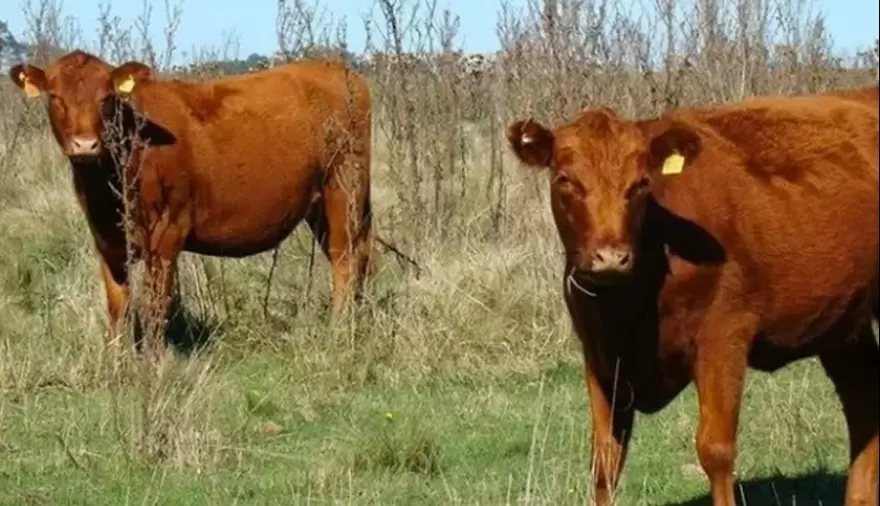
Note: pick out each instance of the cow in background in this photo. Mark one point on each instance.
(232, 164)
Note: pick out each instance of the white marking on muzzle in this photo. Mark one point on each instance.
(569, 281)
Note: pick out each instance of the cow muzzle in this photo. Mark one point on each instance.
(611, 262)
(83, 147)
(605, 267)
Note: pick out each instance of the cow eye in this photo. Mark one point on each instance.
(563, 180)
(568, 185)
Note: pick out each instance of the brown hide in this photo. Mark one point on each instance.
(230, 166)
(251, 152)
(761, 251)
(868, 95)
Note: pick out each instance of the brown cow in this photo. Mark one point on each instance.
(868, 95)
(707, 241)
(233, 165)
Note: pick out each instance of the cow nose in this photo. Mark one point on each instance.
(83, 145)
(611, 259)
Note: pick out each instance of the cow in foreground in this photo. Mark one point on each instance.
(226, 167)
(707, 241)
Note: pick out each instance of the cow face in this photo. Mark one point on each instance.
(602, 170)
(74, 86)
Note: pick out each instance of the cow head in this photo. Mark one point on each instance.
(74, 86)
(602, 171)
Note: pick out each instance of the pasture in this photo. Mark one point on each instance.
(457, 382)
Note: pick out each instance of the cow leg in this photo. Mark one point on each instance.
(318, 224)
(854, 372)
(114, 273)
(719, 374)
(153, 314)
(166, 242)
(316, 218)
(611, 431)
(348, 221)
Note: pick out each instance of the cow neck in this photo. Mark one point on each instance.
(625, 322)
(97, 185)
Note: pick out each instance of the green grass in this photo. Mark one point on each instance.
(461, 387)
(265, 440)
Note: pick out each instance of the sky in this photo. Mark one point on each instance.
(853, 24)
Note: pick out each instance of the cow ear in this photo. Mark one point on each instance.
(127, 76)
(29, 78)
(672, 149)
(531, 142)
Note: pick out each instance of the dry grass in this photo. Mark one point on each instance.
(460, 385)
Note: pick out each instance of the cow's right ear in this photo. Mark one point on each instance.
(531, 142)
(29, 78)
(127, 76)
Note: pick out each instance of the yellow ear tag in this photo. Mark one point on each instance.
(29, 88)
(126, 86)
(674, 164)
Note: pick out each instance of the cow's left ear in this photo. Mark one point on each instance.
(127, 76)
(672, 149)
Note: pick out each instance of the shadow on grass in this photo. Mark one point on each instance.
(190, 331)
(187, 331)
(817, 488)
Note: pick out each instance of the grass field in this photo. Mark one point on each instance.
(460, 387)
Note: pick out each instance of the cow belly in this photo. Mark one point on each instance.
(237, 216)
(801, 322)
(248, 231)
(801, 336)
(237, 241)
